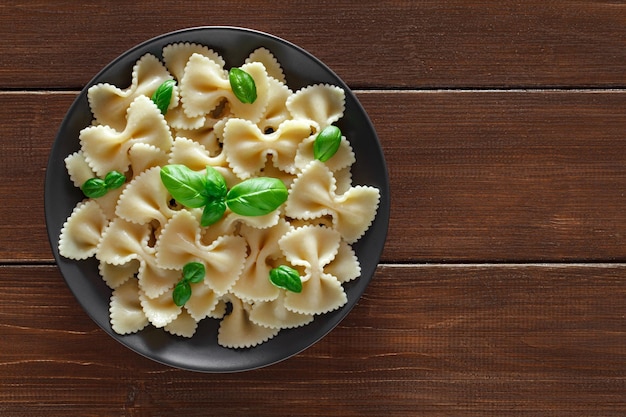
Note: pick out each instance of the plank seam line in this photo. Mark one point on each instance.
(385, 90)
(556, 265)
(492, 90)
(460, 265)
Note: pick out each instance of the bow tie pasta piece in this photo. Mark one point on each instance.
(247, 147)
(80, 171)
(344, 158)
(178, 119)
(225, 226)
(220, 309)
(106, 149)
(184, 325)
(109, 103)
(323, 104)
(116, 275)
(313, 194)
(254, 284)
(201, 304)
(278, 93)
(78, 168)
(203, 301)
(194, 156)
(313, 247)
(343, 180)
(108, 201)
(269, 61)
(254, 111)
(345, 267)
(258, 222)
(143, 156)
(82, 231)
(205, 84)
(321, 293)
(125, 311)
(206, 135)
(271, 171)
(145, 199)
(180, 243)
(122, 242)
(275, 315)
(160, 310)
(176, 57)
(276, 111)
(238, 331)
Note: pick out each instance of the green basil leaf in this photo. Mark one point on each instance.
(188, 187)
(114, 179)
(215, 184)
(213, 212)
(193, 272)
(327, 143)
(257, 196)
(286, 278)
(94, 188)
(162, 97)
(181, 293)
(243, 85)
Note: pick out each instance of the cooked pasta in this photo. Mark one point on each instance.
(143, 238)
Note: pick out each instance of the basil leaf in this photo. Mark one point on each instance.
(257, 196)
(193, 272)
(181, 293)
(215, 183)
(243, 85)
(286, 278)
(327, 143)
(188, 187)
(94, 188)
(114, 179)
(163, 95)
(213, 212)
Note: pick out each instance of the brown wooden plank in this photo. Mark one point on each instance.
(378, 44)
(29, 124)
(511, 340)
(504, 176)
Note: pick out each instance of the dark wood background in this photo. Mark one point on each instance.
(502, 287)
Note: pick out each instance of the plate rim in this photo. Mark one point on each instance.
(381, 219)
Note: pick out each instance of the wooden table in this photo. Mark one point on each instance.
(502, 286)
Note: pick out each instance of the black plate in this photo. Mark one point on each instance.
(201, 352)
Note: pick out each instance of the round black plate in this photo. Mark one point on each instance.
(201, 352)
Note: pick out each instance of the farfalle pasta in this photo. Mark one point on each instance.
(143, 238)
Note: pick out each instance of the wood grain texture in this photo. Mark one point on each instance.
(501, 291)
(504, 176)
(484, 176)
(433, 43)
(466, 340)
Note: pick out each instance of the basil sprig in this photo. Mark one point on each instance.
(243, 85)
(193, 189)
(286, 278)
(97, 187)
(327, 143)
(163, 95)
(256, 196)
(193, 273)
